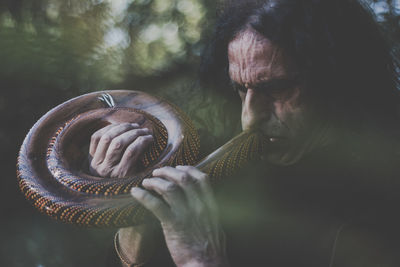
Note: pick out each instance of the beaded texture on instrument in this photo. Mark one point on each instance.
(188, 152)
(69, 194)
(93, 201)
(243, 149)
(78, 183)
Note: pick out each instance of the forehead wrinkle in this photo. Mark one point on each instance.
(243, 52)
(252, 57)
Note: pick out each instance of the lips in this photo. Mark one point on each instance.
(275, 139)
(277, 143)
(273, 135)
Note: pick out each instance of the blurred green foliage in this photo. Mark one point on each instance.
(80, 46)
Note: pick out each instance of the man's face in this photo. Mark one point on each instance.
(271, 97)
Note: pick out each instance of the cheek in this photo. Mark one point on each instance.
(290, 110)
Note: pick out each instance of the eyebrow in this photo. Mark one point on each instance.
(272, 84)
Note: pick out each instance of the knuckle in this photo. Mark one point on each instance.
(116, 144)
(185, 178)
(130, 152)
(126, 124)
(102, 171)
(170, 188)
(140, 139)
(146, 182)
(94, 164)
(118, 173)
(160, 170)
(106, 138)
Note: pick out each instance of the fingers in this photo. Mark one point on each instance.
(95, 138)
(152, 203)
(201, 177)
(193, 183)
(117, 149)
(169, 191)
(134, 151)
(184, 198)
(187, 177)
(107, 137)
(119, 144)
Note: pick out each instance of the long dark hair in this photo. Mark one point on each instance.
(341, 54)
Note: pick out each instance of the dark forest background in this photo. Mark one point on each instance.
(53, 50)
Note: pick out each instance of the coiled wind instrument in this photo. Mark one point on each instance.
(52, 166)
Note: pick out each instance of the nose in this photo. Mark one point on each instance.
(256, 107)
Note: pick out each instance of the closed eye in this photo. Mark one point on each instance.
(273, 87)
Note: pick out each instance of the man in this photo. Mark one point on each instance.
(317, 79)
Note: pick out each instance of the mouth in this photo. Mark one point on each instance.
(276, 139)
(272, 139)
(277, 143)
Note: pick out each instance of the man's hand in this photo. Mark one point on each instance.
(188, 215)
(116, 149)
